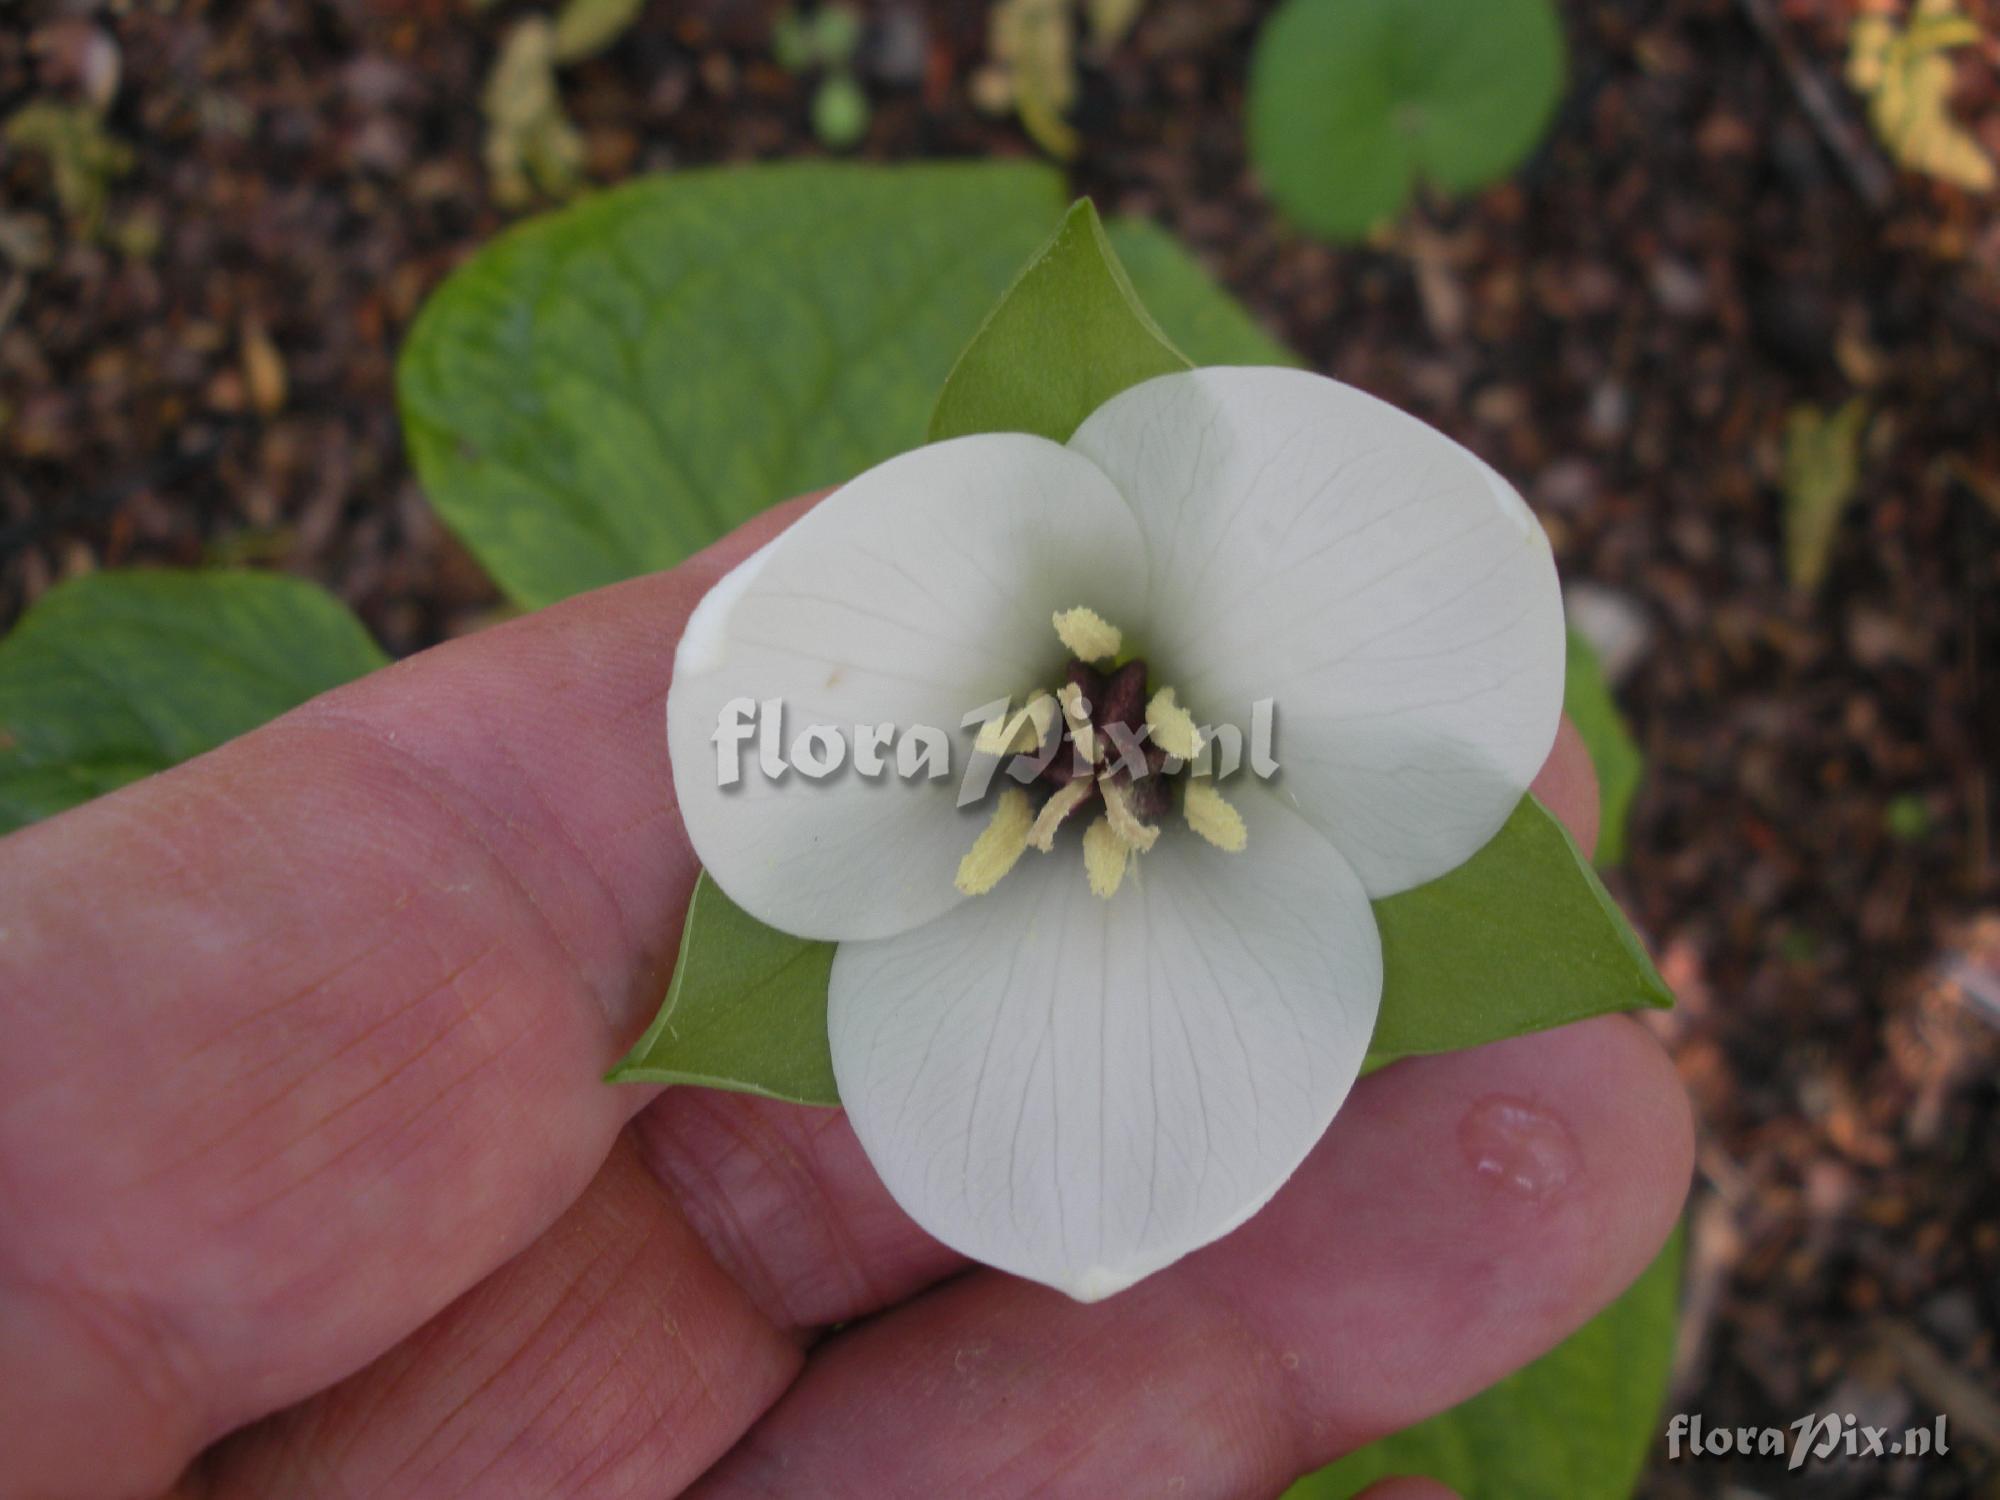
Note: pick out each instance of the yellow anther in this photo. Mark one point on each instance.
(1105, 856)
(1087, 635)
(1211, 816)
(1077, 716)
(1172, 726)
(1067, 799)
(1136, 835)
(1020, 732)
(1005, 839)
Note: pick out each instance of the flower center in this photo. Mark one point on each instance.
(1104, 742)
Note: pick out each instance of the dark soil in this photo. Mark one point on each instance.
(1622, 329)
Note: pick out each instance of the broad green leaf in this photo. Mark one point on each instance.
(1588, 702)
(1576, 1424)
(1521, 937)
(1069, 335)
(1822, 468)
(1352, 101)
(114, 676)
(605, 390)
(746, 1009)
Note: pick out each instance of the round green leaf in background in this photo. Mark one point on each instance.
(1351, 101)
(114, 676)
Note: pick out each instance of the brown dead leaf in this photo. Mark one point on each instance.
(263, 369)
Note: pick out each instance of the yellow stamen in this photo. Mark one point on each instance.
(1105, 856)
(1019, 732)
(1087, 635)
(1172, 726)
(1067, 799)
(1124, 822)
(1211, 816)
(993, 854)
(1077, 717)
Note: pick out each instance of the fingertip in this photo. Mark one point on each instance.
(1663, 1107)
(1556, 1165)
(1611, 1085)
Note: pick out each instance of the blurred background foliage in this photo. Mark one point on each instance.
(1717, 282)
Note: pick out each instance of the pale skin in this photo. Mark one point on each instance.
(309, 1184)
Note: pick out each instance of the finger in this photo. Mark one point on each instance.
(785, 1200)
(610, 1359)
(306, 1036)
(1464, 1213)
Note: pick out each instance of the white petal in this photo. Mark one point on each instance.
(1388, 591)
(917, 593)
(1082, 1091)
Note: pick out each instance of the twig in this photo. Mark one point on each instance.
(1859, 160)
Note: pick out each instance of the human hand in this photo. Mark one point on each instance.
(309, 1184)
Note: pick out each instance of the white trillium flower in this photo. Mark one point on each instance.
(1079, 1065)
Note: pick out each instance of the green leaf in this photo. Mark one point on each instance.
(746, 1010)
(1576, 1424)
(1588, 702)
(608, 389)
(114, 676)
(1069, 335)
(1521, 937)
(1351, 101)
(1822, 469)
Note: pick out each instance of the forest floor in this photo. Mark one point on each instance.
(206, 376)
